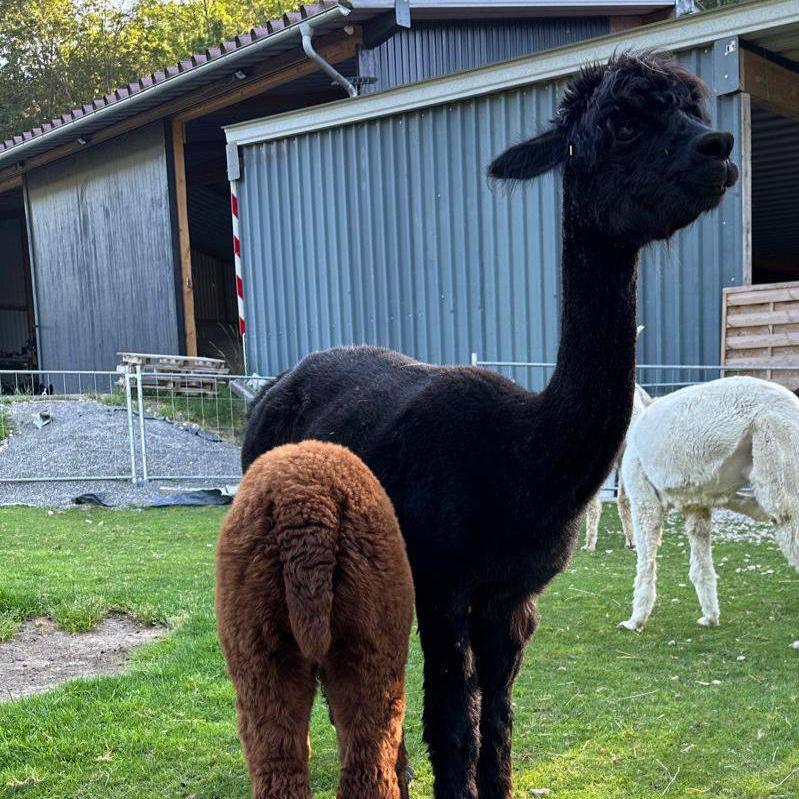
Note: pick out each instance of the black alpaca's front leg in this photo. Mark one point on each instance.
(451, 707)
(499, 629)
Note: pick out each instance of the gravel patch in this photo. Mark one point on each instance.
(87, 438)
(727, 525)
(731, 526)
(40, 656)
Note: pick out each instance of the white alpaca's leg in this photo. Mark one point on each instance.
(703, 574)
(593, 513)
(647, 516)
(625, 515)
(787, 535)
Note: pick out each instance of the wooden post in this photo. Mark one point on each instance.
(184, 240)
(26, 274)
(746, 188)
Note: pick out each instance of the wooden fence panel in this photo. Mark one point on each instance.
(761, 328)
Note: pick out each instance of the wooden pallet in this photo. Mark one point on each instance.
(173, 363)
(166, 372)
(182, 390)
(761, 328)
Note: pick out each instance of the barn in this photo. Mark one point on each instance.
(115, 220)
(370, 219)
(356, 157)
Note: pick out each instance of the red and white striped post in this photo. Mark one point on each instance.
(234, 207)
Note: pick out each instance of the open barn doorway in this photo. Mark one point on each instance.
(17, 316)
(775, 202)
(761, 316)
(203, 194)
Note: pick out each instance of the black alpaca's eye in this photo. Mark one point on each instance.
(626, 130)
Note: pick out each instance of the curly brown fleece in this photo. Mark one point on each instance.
(313, 580)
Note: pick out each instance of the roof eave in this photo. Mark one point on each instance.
(682, 34)
(127, 106)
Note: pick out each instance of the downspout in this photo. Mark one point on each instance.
(234, 176)
(338, 78)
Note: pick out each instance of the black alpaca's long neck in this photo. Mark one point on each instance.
(585, 409)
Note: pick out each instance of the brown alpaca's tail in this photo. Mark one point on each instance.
(307, 536)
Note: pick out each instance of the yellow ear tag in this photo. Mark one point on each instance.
(571, 150)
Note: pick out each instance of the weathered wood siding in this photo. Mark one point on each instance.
(761, 328)
(103, 253)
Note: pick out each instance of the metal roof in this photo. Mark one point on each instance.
(511, 9)
(766, 20)
(278, 36)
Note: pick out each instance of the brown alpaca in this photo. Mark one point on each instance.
(313, 581)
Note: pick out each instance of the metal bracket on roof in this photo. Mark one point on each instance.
(726, 66)
(338, 78)
(402, 13)
(386, 25)
(233, 162)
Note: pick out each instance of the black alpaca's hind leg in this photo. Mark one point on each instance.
(499, 629)
(451, 705)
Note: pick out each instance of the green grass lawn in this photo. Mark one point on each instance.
(600, 712)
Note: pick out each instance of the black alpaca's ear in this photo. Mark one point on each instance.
(530, 158)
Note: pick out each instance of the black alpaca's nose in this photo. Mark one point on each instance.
(715, 144)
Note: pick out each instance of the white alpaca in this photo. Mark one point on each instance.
(693, 451)
(593, 510)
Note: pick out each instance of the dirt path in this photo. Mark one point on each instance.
(40, 656)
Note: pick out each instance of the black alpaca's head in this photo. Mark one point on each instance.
(634, 138)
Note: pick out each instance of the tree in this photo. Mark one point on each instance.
(56, 55)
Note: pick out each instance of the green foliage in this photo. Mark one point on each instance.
(56, 55)
(678, 710)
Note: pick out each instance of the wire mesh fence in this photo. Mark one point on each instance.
(135, 426)
(138, 426)
(656, 378)
(33, 448)
(212, 408)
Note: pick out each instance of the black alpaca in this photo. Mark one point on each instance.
(489, 480)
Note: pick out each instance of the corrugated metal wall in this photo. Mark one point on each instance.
(430, 49)
(103, 256)
(681, 282)
(13, 301)
(386, 232)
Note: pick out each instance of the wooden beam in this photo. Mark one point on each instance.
(763, 293)
(184, 240)
(770, 84)
(762, 318)
(9, 184)
(746, 189)
(757, 341)
(30, 305)
(338, 51)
